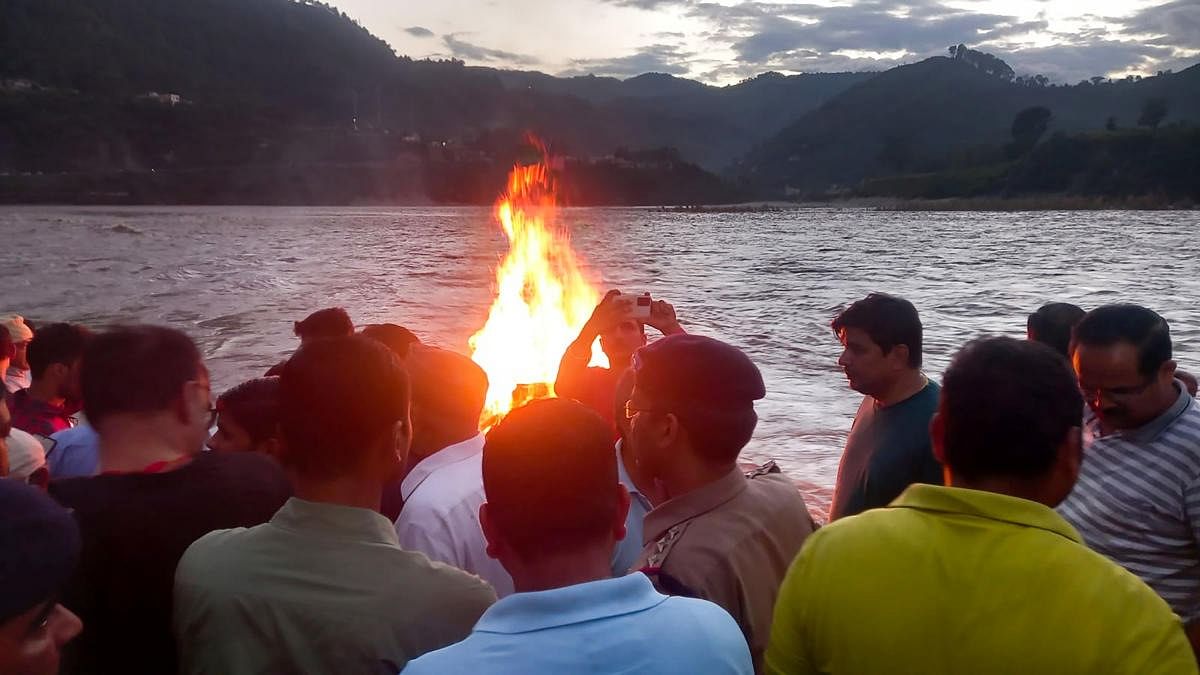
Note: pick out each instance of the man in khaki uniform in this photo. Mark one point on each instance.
(715, 532)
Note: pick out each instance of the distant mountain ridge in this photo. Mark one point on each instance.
(295, 83)
(934, 109)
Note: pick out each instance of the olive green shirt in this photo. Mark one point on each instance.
(729, 542)
(320, 588)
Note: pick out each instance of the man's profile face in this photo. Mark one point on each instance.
(1121, 396)
(20, 359)
(863, 361)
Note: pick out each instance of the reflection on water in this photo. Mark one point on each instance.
(236, 277)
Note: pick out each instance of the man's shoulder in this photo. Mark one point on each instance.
(214, 553)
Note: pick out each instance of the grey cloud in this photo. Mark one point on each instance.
(652, 59)
(1175, 23)
(759, 31)
(1070, 63)
(467, 51)
(419, 31)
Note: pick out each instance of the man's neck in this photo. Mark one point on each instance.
(903, 388)
(347, 490)
(561, 570)
(691, 476)
(46, 392)
(1013, 487)
(131, 447)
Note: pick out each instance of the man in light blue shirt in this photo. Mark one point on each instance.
(626, 552)
(553, 515)
(75, 452)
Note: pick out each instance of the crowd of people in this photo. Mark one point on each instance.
(1037, 511)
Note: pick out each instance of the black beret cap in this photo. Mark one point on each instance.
(39, 546)
(698, 370)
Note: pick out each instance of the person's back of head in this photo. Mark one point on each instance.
(692, 401)
(39, 549)
(147, 376)
(332, 322)
(344, 411)
(550, 480)
(248, 418)
(397, 338)
(1052, 325)
(55, 352)
(448, 394)
(1009, 420)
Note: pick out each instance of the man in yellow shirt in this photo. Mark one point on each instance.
(981, 576)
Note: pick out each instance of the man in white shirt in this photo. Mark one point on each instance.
(444, 489)
(17, 375)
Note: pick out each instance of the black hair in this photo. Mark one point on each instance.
(550, 476)
(57, 343)
(339, 397)
(255, 406)
(888, 320)
(1007, 406)
(325, 323)
(397, 338)
(136, 369)
(1052, 324)
(1134, 324)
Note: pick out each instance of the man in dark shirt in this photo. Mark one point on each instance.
(889, 446)
(54, 360)
(146, 391)
(620, 335)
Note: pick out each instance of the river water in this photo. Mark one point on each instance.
(236, 278)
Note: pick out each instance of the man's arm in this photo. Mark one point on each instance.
(572, 369)
(662, 317)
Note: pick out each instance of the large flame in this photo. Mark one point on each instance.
(542, 297)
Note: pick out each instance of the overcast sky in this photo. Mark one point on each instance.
(721, 42)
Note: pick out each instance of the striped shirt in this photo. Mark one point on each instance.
(1138, 501)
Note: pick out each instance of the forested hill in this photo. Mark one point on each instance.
(943, 112)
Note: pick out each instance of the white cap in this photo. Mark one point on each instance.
(17, 330)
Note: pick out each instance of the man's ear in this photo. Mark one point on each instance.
(1167, 370)
(490, 534)
(623, 502)
(899, 355)
(937, 437)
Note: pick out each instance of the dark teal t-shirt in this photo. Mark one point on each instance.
(888, 450)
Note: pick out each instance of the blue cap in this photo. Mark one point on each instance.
(39, 547)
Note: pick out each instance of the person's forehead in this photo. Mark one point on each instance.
(853, 335)
(1120, 358)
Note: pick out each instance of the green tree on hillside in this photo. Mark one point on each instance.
(1027, 128)
(1153, 112)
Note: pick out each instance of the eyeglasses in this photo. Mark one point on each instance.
(1114, 393)
(631, 410)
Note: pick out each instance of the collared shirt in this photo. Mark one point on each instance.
(617, 625)
(1137, 501)
(320, 588)
(888, 449)
(627, 550)
(38, 417)
(440, 518)
(729, 542)
(75, 452)
(949, 580)
(16, 379)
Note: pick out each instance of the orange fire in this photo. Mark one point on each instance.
(542, 299)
